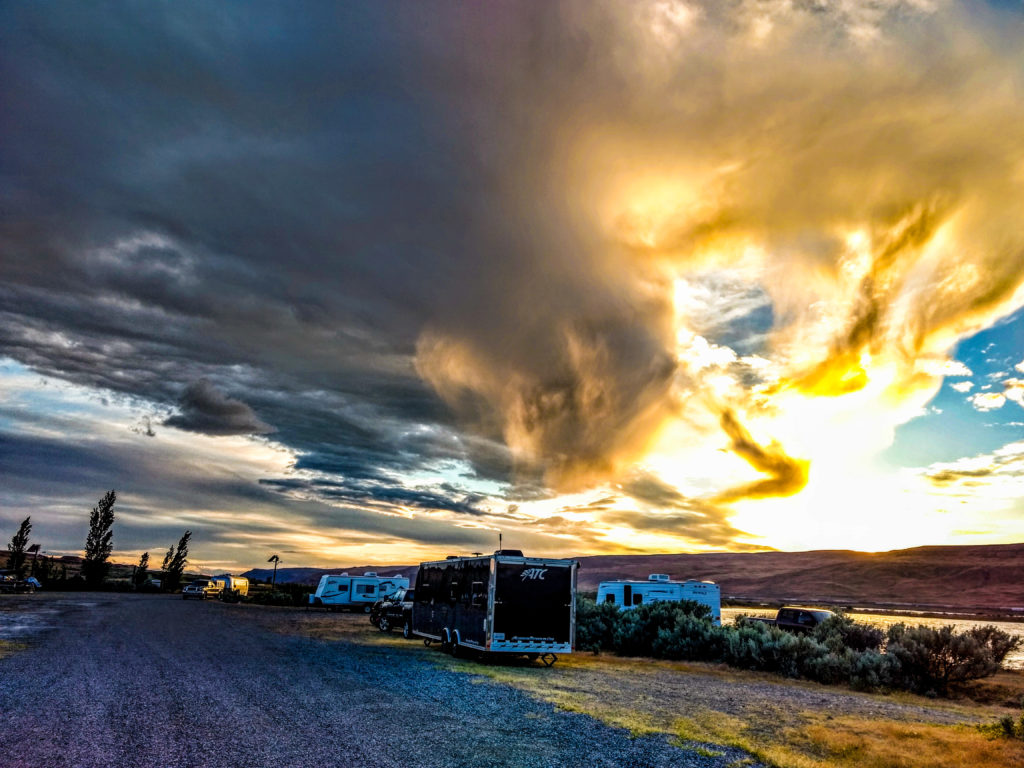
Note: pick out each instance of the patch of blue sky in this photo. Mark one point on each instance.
(32, 401)
(952, 427)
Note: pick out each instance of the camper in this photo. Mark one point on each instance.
(238, 585)
(357, 593)
(660, 587)
(502, 603)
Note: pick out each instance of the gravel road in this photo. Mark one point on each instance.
(116, 680)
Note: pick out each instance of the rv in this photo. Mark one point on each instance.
(236, 584)
(660, 587)
(341, 591)
(502, 603)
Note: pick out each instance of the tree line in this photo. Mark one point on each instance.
(96, 561)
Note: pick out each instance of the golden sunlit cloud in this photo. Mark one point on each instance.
(837, 169)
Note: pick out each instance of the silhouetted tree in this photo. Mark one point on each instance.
(179, 559)
(97, 543)
(141, 568)
(18, 546)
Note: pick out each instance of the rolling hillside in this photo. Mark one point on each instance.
(939, 578)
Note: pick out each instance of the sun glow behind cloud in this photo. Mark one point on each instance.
(603, 276)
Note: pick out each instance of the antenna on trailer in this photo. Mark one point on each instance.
(499, 540)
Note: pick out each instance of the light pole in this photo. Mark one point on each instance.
(275, 560)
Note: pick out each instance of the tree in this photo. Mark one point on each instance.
(275, 560)
(141, 568)
(179, 559)
(18, 546)
(167, 559)
(97, 543)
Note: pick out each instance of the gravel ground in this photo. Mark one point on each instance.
(116, 680)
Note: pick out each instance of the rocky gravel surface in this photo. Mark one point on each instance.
(117, 680)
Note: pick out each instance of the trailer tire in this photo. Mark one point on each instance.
(446, 642)
(407, 630)
(367, 609)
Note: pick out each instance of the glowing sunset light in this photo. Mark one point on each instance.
(604, 277)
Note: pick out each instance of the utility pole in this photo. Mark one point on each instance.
(275, 560)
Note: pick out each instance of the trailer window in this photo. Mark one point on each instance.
(609, 598)
(637, 599)
(479, 594)
(365, 589)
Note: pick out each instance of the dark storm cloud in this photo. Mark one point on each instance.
(206, 410)
(385, 494)
(284, 202)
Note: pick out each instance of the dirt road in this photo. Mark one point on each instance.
(115, 680)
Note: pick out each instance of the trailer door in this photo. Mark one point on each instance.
(533, 601)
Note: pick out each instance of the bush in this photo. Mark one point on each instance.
(840, 631)
(838, 651)
(595, 624)
(929, 660)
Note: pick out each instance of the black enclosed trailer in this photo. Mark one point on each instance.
(502, 603)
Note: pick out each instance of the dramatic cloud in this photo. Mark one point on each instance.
(455, 260)
(204, 409)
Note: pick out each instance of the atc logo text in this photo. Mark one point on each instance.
(537, 574)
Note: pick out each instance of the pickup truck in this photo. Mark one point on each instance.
(202, 589)
(394, 611)
(795, 618)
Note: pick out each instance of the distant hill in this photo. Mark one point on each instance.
(939, 578)
(966, 577)
(312, 575)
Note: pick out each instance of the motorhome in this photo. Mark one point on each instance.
(660, 587)
(236, 584)
(501, 603)
(344, 592)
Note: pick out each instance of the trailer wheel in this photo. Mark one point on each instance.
(367, 609)
(407, 630)
(446, 642)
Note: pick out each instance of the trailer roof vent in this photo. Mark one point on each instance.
(509, 552)
(369, 573)
(659, 577)
(452, 557)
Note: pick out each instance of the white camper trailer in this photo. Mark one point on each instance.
(660, 587)
(341, 591)
(237, 584)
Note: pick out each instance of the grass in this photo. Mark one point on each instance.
(780, 723)
(7, 647)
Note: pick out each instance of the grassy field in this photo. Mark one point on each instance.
(783, 723)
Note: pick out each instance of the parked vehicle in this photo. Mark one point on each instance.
(341, 591)
(395, 611)
(201, 589)
(795, 618)
(502, 603)
(9, 582)
(237, 585)
(659, 587)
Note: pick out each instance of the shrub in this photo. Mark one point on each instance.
(929, 660)
(595, 624)
(840, 632)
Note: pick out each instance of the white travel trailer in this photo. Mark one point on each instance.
(341, 591)
(237, 584)
(660, 587)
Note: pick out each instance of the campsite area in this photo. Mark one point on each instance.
(108, 679)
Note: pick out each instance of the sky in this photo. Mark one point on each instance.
(371, 283)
